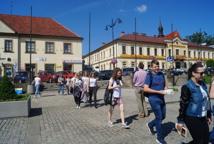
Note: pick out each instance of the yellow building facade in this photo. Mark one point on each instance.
(53, 48)
(130, 49)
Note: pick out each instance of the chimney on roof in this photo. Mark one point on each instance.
(122, 33)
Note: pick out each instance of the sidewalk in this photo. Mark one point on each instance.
(55, 120)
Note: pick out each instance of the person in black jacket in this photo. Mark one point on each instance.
(195, 109)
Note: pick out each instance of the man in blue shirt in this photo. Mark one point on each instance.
(154, 87)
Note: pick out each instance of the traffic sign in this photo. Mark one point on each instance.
(169, 59)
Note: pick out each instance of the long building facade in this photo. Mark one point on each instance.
(129, 49)
(52, 46)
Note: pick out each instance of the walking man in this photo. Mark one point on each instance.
(155, 86)
(138, 81)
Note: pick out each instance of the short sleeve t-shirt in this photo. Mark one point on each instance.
(158, 83)
(116, 91)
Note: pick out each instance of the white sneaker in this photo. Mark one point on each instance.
(110, 124)
(125, 126)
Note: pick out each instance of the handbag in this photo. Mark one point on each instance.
(108, 96)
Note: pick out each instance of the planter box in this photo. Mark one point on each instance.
(15, 108)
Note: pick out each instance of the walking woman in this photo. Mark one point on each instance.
(93, 89)
(115, 83)
(85, 90)
(195, 109)
(77, 89)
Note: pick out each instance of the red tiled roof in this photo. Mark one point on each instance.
(172, 35)
(40, 26)
(143, 38)
(157, 40)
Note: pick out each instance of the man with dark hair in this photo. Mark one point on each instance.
(155, 85)
(138, 81)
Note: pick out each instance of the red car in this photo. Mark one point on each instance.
(46, 76)
(65, 75)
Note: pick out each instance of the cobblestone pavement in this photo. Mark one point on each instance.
(55, 120)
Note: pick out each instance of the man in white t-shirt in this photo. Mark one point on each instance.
(37, 83)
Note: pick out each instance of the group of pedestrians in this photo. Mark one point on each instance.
(195, 106)
(84, 88)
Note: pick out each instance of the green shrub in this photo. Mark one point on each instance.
(207, 79)
(7, 89)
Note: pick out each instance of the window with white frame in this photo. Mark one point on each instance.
(132, 50)
(140, 51)
(162, 52)
(8, 46)
(124, 63)
(49, 47)
(123, 49)
(169, 52)
(189, 53)
(67, 48)
(156, 52)
(148, 51)
(30, 47)
(132, 64)
(177, 52)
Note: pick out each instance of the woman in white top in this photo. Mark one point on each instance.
(85, 90)
(93, 89)
(77, 89)
(68, 85)
(115, 83)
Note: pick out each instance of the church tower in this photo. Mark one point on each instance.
(160, 30)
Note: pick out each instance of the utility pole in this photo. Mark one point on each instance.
(173, 59)
(89, 39)
(112, 25)
(30, 45)
(135, 39)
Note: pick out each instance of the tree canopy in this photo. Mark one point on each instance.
(201, 37)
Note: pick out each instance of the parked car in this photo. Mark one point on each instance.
(46, 76)
(128, 71)
(21, 77)
(65, 74)
(209, 70)
(105, 74)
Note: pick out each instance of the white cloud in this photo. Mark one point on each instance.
(142, 8)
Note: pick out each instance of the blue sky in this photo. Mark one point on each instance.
(187, 16)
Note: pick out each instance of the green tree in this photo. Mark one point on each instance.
(7, 89)
(210, 63)
(201, 37)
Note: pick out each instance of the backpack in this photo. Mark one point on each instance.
(108, 96)
(150, 84)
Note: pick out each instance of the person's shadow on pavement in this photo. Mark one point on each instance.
(129, 119)
(168, 128)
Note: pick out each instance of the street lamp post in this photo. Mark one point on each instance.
(112, 25)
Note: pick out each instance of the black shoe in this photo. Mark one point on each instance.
(151, 129)
(96, 107)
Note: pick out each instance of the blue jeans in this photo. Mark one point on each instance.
(159, 108)
(60, 89)
(37, 91)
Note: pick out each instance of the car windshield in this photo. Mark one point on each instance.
(21, 73)
(128, 69)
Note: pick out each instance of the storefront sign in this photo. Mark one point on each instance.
(73, 61)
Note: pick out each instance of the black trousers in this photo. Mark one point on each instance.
(77, 100)
(93, 92)
(198, 128)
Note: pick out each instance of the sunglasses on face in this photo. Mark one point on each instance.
(201, 73)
